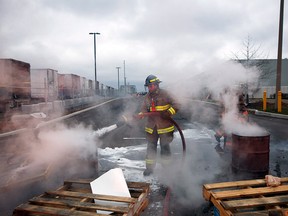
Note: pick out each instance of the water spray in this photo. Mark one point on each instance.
(102, 131)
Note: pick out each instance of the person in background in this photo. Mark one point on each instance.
(242, 116)
(220, 131)
(242, 110)
(159, 107)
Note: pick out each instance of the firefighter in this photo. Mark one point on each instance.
(158, 126)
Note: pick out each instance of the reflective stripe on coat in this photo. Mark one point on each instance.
(159, 101)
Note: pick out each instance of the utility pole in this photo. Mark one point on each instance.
(95, 68)
(279, 57)
(124, 78)
(118, 77)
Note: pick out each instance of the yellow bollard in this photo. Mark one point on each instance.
(279, 101)
(264, 101)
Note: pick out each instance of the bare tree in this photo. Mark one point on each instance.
(252, 56)
(250, 51)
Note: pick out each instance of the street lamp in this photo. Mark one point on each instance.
(94, 34)
(124, 79)
(118, 78)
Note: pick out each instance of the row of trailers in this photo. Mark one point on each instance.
(21, 84)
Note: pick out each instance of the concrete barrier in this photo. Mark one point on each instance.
(26, 109)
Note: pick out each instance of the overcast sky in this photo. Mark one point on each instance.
(168, 38)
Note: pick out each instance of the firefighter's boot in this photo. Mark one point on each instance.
(150, 158)
(219, 149)
(217, 137)
(150, 165)
(225, 141)
(148, 171)
(163, 190)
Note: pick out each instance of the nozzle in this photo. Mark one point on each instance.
(123, 121)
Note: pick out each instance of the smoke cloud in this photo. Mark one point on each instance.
(63, 141)
(214, 79)
(219, 82)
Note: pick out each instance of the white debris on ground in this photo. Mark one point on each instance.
(131, 159)
(126, 159)
(202, 163)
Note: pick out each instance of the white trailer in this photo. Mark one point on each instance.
(44, 84)
(69, 86)
(83, 86)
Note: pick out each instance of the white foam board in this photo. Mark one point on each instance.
(110, 183)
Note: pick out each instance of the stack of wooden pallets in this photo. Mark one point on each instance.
(75, 198)
(248, 198)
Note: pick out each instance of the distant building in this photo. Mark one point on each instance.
(130, 89)
(267, 79)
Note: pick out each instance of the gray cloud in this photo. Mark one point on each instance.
(161, 37)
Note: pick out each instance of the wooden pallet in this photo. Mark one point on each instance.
(75, 198)
(248, 197)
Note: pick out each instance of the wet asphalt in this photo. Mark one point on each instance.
(204, 163)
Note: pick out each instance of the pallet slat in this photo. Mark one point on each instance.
(270, 212)
(74, 204)
(250, 192)
(34, 210)
(244, 183)
(92, 196)
(256, 202)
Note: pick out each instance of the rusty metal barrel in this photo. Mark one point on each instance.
(251, 153)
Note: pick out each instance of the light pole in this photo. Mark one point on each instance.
(94, 34)
(118, 77)
(124, 78)
(279, 56)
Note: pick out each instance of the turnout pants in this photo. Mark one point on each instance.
(165, 152)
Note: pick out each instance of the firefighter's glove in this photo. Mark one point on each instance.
(245, 113)
(166, 114)
(138, 116)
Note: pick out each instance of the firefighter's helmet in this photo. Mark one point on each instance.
(152, 79)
